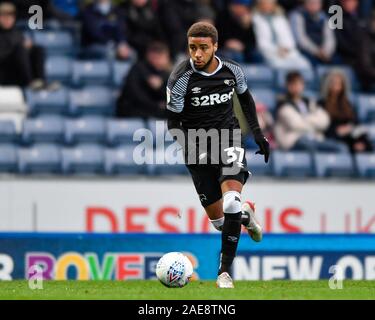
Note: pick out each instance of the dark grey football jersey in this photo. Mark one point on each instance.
(205, 100)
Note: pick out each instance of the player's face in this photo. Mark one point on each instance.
(202, 51)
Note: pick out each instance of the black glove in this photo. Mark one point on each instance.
(264, 146)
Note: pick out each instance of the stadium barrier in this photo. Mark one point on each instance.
(126, 257)
(172, 206)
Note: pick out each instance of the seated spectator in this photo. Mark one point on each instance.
(237, 37)
(366, 60)
(176, 17)
(349, 37)
(143, 94)
(103, 31)
(314, 37)
(143, 25)
(344, 125)
(300, 122)
(21, 62)
(274, 37)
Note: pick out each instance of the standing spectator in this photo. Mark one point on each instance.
(237, 37)
(300, 122)
(21, 62)
(143, 94)
(314, 37)
(274, 37)
(103, 31)
(344, 124)
(143, 25)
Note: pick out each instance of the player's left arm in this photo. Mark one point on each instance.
(249, 109)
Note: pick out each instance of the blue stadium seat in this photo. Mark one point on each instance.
(292, 164)
(171, 162)
(91, 101)
(91, 72)
(85, 130)
(365, 165)
(258, 76)
(334, 165)
(366, 108)
(83, 159)
(256, 164)
(59, 68)
(322, 71)
(45, 101)
(308, 75)
(266, 97)
(8, 158)
(8, 131)
(121, 131)
(120, 160)
(120, 72)
(43, 129)
(56, 42)
(40, 158)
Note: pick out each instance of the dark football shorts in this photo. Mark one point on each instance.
(207, 180)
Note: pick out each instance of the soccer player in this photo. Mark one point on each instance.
(200, 97)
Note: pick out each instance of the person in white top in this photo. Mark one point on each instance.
(275, 38)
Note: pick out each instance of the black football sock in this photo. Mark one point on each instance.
(229, 240)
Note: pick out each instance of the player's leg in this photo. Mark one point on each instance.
(231, 190)
(216, 215)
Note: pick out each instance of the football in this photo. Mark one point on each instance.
(174, 269)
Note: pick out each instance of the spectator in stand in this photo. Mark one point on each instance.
(176, 17)
(301, 122)
(21, 62)
(349, 37)
(344, 124)
(314, 37)
(143, 25)
(103, 31)
(143, 94)
(274, 37)
(366, 61)
(237, 37)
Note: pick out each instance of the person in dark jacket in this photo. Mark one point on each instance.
(237, 37)
(21, 62)
(348, 38)
(143, 25)
(104, 31)
(143, 94)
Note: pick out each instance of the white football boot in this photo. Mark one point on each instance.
(253, 228)
(224, 281)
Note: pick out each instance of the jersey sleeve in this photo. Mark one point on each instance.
(176, 89)
(241, 81)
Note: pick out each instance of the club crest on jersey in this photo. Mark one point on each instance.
(229, 82)
(196, 90)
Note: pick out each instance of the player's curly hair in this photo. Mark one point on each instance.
(203, 29)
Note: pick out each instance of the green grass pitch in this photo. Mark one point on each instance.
(197, 290)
